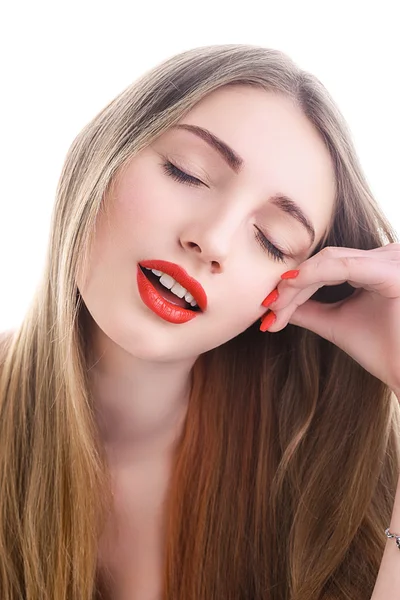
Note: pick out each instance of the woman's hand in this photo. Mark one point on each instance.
(367, 324)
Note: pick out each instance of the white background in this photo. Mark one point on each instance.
(61, 62)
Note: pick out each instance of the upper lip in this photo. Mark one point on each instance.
(181, 276)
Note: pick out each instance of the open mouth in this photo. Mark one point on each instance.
(166, 293)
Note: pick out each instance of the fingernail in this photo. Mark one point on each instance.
(270, 298)
(290, 274)
(267, 321)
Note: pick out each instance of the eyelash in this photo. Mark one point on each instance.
(172, 171)
(179, 175)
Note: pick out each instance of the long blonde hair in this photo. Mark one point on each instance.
(285, 473)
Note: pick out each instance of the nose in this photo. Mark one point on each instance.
(213, 259)
(212, 239)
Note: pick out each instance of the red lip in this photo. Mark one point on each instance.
(182, 277)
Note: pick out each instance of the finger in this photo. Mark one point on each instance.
(393, 248)
(284, 314)
(379, 275)
(317, 317)
(327, 320)
(390, 251)
(288, 289)
(288, 292)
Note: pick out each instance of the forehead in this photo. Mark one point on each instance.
(282, 150)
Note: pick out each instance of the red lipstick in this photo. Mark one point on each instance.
(158, 304)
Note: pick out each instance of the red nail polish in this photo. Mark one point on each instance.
(267, 321)
(270, 298)
(290, 274)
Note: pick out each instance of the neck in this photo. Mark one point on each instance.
(140, 404)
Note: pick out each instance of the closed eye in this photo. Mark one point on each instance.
(172, 171)
(272, 250)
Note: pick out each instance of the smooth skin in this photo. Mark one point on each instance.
(141, 372)
(211, 227)
(367, 324)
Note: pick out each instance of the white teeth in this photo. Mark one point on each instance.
(178, 290)
(167, 280)
(188, 297)
(175, 287)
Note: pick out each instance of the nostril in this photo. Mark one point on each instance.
(193, 245)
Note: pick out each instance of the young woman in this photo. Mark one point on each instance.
(157, 440)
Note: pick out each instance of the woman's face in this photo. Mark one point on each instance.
(212, 227)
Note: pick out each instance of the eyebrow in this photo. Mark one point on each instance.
(236, 162)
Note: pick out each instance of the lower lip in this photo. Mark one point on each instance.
(159, 305)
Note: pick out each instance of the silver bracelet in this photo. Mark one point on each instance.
(393, 535)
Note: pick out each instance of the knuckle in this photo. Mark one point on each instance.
(347, 261)
(327, 252)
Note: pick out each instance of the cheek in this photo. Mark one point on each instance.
(142, 198)
(244, 306)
